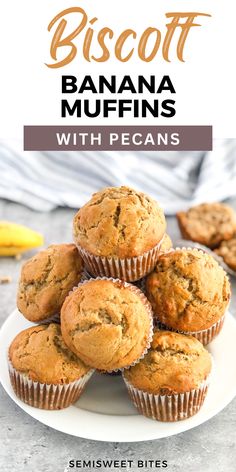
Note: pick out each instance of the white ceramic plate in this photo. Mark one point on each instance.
(105, 413)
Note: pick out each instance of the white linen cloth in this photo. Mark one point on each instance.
(178, 180)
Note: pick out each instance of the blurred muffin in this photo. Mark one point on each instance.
(107, 323)
(189, 292)
(46, 280)
(170, 383)
(166, 243)
(119, 233)
(208, 223)
(227, 250)
(44, 373)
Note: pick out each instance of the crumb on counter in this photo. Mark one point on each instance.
(5, 279)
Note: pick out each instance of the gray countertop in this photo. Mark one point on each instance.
(28, 446)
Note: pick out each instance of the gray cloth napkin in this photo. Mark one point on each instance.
(178, 180)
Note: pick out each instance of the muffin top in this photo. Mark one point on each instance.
(119, 222)
(208, 223)
(106, 323)
(46, 280)
(188, 289)
(175, 364)
(41, 354)
(227, 250)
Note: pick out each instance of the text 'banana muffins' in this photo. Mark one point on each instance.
(170, 383)
(118, 233)
(208, 223)
(107, 323)
(46, 279)
(189, 291)
(44, 373)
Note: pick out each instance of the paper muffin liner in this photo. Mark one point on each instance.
(129, 269)
(205, 336)
(85, 276)
(46, 396)
(148, 307)
(174, 407)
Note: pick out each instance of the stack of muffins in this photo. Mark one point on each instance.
(120, 299)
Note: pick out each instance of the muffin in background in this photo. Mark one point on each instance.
(208, 223)
(189, 292)
(45, 281)
(170, 383)
(119, 233)
(44, 373)
(107, 323)
(166, 243)
(227, 250)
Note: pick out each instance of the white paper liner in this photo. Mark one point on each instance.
(146, 303)
(85, 276)
(128, 269)
(46, 396)
(170, 408)
(205, 336)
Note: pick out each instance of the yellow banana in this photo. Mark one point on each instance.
(16, 239)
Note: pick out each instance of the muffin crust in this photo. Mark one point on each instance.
(119, 222)
(166, 243)
(46, 280)
(227, 250)
(175, 363)
(188, 290)
(208, 223)
(106, 323)
(41, 354)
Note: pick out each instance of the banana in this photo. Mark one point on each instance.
(16, 239)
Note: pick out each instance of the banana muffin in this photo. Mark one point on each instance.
(166, 244)
(107, 323)
(189, 292)
(170, 383)
(119, 232)
(227, 250)
(208, 223)
(44, 373)
(46, 279)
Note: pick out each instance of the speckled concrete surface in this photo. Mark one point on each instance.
(28, 446)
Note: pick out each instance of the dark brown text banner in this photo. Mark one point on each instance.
(118, 138)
